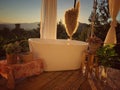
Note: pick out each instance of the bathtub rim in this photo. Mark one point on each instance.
(58, 41)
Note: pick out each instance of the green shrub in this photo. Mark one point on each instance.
(105, 55)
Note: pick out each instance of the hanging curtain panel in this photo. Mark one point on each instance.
(48, 19)
(114, 9)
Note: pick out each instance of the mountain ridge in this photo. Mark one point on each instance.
(29, 26)
(26, 26)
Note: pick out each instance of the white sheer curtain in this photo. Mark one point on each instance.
(114, 7)
(48, 19)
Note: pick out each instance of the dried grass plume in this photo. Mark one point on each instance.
(71, 19)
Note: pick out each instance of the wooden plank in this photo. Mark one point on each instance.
(111, 82)
(62, 80)
(79, 79)
(97, 84)
(38, 82)
(71, 80)
(57, 81)
(85, 86)
(66, 80)
(114, 77)
(74, 81)
(91, 82)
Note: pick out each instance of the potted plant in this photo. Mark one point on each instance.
(12, 50)
(25, 55)
(24, 46)
(105, 56)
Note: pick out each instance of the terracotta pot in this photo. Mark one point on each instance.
(11, 58)
(26, 57)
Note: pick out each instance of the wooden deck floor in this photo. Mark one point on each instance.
(64, 80)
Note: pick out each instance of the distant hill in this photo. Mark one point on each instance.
(81, 27)
(26, 26)
(30, 26)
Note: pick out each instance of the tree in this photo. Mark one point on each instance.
(100, 12)
(100, 18)
(61, 31)
(85, 33)
(37, 31)
(103, 8)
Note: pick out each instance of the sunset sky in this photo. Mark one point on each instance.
(27, 11)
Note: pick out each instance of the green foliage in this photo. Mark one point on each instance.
(83, 36)
(102, 17)
(105, 55)
(8, 36)
(12, 48)
(101, 12)
(101, 31)
(61, 31)
(24, 46)
(17, 47)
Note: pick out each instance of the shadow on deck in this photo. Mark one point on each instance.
(65, 80)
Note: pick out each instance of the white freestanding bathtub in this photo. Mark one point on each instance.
(58, 54)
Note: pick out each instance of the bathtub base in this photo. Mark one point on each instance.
(58, 55)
